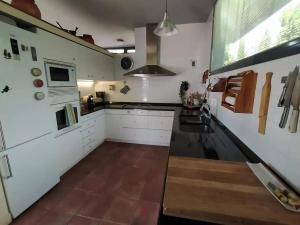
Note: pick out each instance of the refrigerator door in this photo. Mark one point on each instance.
(28, 172)
(22, 116)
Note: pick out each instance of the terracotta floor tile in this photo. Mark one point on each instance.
(77, 220)
(91, 184)
(72, 178)
(31, 216)
(55, 218)
(53, 197)
(108, 223)
(147, 214)
(72, 202)
(96, 207)
(117, 184)
(122, 211)
(131, 190)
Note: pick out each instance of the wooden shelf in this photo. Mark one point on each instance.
(218, 87)
(18, 15)
(240, 90)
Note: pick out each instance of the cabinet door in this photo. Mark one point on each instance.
(84, 64)
(107, 67)
(113, 126)
(100, 130)
(69, 150)
(29, 171)
(93, 65)
(60, 49)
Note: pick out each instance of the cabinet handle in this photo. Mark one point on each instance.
(8, 168)
(2, 140)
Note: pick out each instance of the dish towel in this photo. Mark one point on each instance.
(70, 115)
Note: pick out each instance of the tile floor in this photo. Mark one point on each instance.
(117, 184)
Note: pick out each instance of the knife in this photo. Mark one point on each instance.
(288, 96)
(281, 99)
(295, 103)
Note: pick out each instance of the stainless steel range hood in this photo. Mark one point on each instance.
(152, 68)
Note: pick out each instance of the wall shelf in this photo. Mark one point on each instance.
(240, 92)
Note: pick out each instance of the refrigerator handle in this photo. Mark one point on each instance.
(6, 167)
(2, 140)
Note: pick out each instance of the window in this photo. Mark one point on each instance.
(121, 50)
(247, 32)
(116, 51)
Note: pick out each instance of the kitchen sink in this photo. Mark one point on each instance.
(194, 124)
(190, 120)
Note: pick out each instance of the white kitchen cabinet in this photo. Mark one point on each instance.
(139, 126)
(93, 65)
(90, 64)
(92, 132)
(29, 171)
(57, 48)
(69, 150)
(160, 123)
(100, 129)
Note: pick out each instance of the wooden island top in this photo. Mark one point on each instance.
(220, 192)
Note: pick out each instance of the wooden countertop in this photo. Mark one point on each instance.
(220, 192)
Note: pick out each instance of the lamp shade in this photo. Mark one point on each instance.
(166, 27)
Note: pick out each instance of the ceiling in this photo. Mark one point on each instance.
(108, 20)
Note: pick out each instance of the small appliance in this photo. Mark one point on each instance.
(60, 74)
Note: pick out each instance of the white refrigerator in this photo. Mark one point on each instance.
(27, 147)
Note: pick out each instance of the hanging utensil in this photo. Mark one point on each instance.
(295, 103)
(288, 96)
(264, 103)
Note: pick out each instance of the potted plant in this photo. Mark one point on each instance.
(183, 89)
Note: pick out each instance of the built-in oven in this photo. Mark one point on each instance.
(60, 74)
(66, 115)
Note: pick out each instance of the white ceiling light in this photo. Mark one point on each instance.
(166, 27)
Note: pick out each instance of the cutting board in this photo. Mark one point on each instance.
(264, 103)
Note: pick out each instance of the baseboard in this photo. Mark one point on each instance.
(138, 142)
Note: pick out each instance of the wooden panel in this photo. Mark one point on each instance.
(220, 192)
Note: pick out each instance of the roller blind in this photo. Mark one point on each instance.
(243, 28)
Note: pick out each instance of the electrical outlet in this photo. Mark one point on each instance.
(194, 63)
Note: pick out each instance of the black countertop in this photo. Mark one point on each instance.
(187, 140)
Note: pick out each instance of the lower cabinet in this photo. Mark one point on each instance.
(140, 126)
(69, 150)
(92, 133)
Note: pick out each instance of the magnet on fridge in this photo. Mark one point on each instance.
(38, 83)
(39, 96)
(36, 72)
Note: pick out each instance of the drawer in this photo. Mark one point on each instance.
(88, 140)
(157, 136)
(115, 111)
(161, 113)
(160, 123)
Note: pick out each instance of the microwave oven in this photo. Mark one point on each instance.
(60, 74)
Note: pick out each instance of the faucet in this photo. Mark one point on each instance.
(205, 113)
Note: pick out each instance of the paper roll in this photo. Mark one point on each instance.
(230, 100)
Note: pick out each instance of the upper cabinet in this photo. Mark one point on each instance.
(93, 65)
(90, 64)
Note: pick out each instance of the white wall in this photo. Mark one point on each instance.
(278, 148)
(5, 218)
(191, 43)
